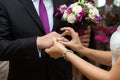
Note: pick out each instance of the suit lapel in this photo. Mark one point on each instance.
(32, 12)
(56, 4)
(28, 5)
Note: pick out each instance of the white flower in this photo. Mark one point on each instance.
(77, 9)
(74, 4)
(71, 18)
(63, 6)
(93, 12)
(88, 5)
(65, 15)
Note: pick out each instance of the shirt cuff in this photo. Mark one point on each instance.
(39, 52)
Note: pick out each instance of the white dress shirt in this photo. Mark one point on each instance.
(49, 7)
(108, 8)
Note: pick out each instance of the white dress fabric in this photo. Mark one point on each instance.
(4, 70)
(115, 45)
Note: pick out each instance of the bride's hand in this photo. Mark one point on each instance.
(75, 43)
(57, 49)
(85, 39)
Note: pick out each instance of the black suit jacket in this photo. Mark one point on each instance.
(19, 28)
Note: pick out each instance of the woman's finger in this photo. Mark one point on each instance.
(62, 39)
(68, 31)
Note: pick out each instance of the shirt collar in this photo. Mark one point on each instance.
(110, 5)
(36, 0)
(33, 0)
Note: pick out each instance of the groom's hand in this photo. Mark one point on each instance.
(47, 40)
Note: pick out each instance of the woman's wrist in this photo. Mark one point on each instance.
(66, 52)
(81, 49)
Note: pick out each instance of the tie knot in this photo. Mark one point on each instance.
(41, 1)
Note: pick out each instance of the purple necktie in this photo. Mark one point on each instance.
(44, 16)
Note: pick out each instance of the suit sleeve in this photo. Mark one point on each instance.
(11, 49)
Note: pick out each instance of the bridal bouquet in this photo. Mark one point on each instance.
(80, 14)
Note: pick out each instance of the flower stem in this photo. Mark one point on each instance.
(81, 1)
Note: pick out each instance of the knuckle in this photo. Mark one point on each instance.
(76, 34)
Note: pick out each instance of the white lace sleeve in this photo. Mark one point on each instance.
(115, 45)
